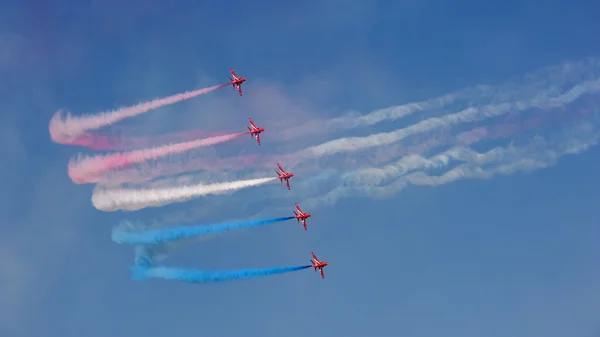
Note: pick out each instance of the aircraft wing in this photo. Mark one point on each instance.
(258, 138)
(239, 89)
(252, 123)
(233, 74)
(322, 273)
(315, 257)
(280, 169)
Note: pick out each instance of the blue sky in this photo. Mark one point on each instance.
(511, 256)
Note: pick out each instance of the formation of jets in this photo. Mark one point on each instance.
(254, 131)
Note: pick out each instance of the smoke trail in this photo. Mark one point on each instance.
(101, 142)
(538, 93)
(65, 128)
(173, 165)
(507, 129)
(401, 111)
(90, 169)
(390, 179)
(546, 80)
(205, 276)
(353, 144)
(150, 254)
(183, 232)
(385, 154)
(125, 199)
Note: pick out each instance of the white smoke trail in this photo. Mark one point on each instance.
(548, 80)
(400, 111)
(129, 199)
(352, 144)
(390, 179)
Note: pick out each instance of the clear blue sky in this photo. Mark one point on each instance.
(511, 256)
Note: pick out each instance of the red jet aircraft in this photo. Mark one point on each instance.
(284, 176)
(318, 264)
(236, 81)
(301, 216)
(254, 131)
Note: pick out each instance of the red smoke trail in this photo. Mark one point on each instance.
(64, 129)
(91, 169)
(117, 143)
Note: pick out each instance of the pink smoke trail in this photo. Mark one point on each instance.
(64, 129)
(91, 169)
(117, 143)
(177, 166)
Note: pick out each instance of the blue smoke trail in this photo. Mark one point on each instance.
(182, 232)
(140, 272)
